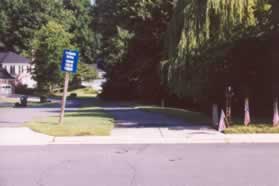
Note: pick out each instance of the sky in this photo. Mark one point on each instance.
(92, 1)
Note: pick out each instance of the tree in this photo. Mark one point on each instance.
(24, 18)
(82, 29)
(48, 46)
(132, 46)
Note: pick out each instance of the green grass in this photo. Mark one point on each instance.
(81, 93)
(186, 115)
(85, 92)
(8, 100)
(252, 129)
(87, 121)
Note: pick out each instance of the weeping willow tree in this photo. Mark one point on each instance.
(199, 34)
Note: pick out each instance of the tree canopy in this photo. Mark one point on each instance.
(201, 37)
(132, 45)
(41, 30)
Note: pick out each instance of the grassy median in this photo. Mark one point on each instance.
(89, 121)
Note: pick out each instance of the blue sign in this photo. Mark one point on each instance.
(70, 61)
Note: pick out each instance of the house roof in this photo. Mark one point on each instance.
(4, 74)
(11, 57)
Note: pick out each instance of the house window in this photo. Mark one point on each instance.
(29, 69)
(12, 69)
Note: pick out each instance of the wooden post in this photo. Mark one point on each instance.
(163, 103)
(64, 99)
(215, 115)
(228, 94)
(275, 112)
(247, 118)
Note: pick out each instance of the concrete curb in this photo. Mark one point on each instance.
(23, 136)
(228, 139)
(26, 137)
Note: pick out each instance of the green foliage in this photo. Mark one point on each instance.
(86, 72)
(48, 46)
(118, 48)
(199, 37)
(46, 28)
(132, 46)
(25, 17)
(84, 37)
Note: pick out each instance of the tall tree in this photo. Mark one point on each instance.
(132, 42)
(24, 18)
(48, 46)
(82, 29)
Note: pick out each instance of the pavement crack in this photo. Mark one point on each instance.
(142, 149)
(53, 139)
(175, 159)
(133, 181)
(161, 133)
(122, 151)
(48, 170)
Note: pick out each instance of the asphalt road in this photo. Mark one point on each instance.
(15, 117)
(140, 165)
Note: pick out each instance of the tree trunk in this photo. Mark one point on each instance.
(228, 112)
(215, 115)
(247, 118)
(163, 103)
(275, 112)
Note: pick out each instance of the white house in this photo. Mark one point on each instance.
(18, 67)
(7, 82)
(96, 84)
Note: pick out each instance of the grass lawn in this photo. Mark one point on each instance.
(186, 115)
(8, 100)
(88, 121)
(252, 129)
(81, 93)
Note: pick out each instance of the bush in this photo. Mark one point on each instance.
(22, 89)
(43, 99)
(72, 96)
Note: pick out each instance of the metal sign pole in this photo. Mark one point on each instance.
(64, 99)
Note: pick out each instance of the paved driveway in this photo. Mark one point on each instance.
(133, 117)
(15, 117)
(130, 121)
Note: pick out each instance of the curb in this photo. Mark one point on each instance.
(27, 137)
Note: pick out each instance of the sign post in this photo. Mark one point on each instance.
(64, 99)
(68, 65)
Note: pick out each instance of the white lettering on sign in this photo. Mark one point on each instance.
(69, 61)
(69, 65)
(70, 57)
(68, 69)
(71, 53)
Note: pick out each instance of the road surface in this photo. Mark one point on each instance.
(140, 165)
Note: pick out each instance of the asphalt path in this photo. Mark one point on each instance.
(133, 117)
(125, 116)
(140, 165)
(15, 117)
